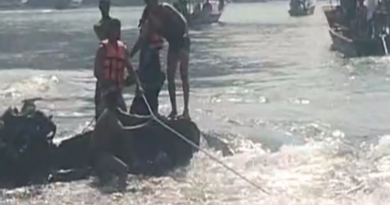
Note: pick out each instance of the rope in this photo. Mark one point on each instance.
(384, 44)
(197, 147)
(88, 125)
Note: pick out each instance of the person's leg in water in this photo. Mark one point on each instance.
(107, 130)
(173, 61)
(107, 163)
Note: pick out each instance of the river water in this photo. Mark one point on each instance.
(307, 125)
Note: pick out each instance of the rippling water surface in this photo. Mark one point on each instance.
(305, 124)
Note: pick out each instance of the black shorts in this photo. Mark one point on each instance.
(179, 45)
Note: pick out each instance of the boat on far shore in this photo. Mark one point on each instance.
(199, 12)
(301, 7)
(367, 39)
(250, 1)
(67, 4)
(55, 4)
(11, 4)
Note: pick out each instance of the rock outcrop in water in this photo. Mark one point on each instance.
(27, 152)
(25, 145)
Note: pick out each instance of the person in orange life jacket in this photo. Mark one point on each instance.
(110, 63)
(101, 31)
(172, 26)
(150, 75)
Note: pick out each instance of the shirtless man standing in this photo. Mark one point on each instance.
(101, 27)
(168, 22)
(101, 31)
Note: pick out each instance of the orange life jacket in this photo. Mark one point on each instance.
(114, 62)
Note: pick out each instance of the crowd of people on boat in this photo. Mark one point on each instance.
(159, 21)
(113, 70)
(364, 18)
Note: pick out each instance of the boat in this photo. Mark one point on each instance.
(250, 1)
(56, 4)
(67, 4)
(301, 7)
(204, 19)
(196, 13)
(28, 153)
(361, 40)
(11, 4)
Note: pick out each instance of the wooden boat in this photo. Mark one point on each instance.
(350, 43)
(67, 4)
(10, 4)
(250, 1)
(195, 15)
(300, 12)
(204, 19)
(56, 4)
(301, 8)
(28, 154)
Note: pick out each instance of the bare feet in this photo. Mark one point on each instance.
(172, 115)
(186, 114)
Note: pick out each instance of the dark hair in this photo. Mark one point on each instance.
(151, 2)
(104, 6)
(114, 24)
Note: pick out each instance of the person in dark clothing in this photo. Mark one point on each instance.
(150, 75)
(168, 22)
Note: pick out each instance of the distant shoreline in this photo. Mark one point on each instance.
(29, 7)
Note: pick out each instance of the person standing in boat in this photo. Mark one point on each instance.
(109, 134)
(168, 22)
(101, 27)
(207, 8)
(111, 62)
(101, 31)
(150, 74)
(371, 9)
(221, 5)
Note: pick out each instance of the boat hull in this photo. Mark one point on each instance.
(204, 19)
(28, 155)
(357, 47)
(329, 14)
(146, 145)
(300, 12)
(352, 47)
